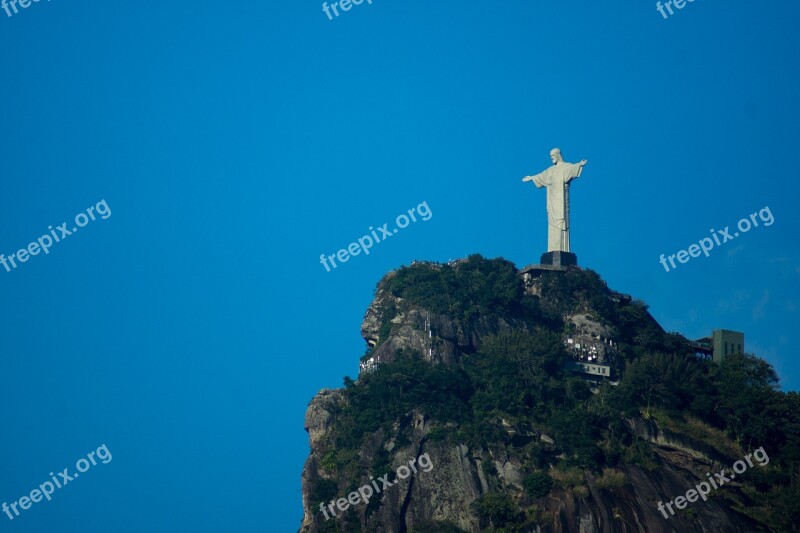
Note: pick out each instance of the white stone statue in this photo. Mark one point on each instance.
(556, 179)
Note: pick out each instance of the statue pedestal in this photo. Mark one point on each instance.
(559, 259)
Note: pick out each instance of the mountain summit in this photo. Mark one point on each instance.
(498, 399)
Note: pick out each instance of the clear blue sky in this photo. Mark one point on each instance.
(236, 142)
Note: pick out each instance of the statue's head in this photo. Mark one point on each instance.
(555, 156)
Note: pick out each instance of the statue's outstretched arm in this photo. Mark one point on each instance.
(537, 177)
(577, 168)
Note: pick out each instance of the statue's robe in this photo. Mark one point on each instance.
(556, 179)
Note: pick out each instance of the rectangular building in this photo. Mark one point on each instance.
(593, 369)
(726, 342)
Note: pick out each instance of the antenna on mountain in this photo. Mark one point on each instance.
(430, 334)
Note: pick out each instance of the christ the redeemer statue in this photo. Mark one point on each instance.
(556, 179)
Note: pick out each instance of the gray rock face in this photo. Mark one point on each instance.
(319, 414)
(459, 476)
(439, 338)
